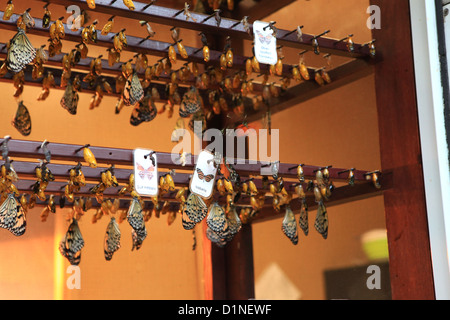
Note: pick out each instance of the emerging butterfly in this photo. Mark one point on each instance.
(264, 39)
(195, 210)
(204, 177)
(145, 172)
(112, 239)
(12, 216)
(289, 226)
(70, 247)
(136, 221)
(217, 221)
(22, 120)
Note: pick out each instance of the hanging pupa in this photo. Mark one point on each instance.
(46, 19)
(20, 53)
(325, 76)
(175, 34)
(91, 4)
(206, 54)
(129, 4)
(229, 58)
(182, 50)
(289, 226)
(149, 29)
(255, 65)
(279, 67)
(133, 91)
(89, 157)
(9, 10)
(112, 239)
(22, 119)
(108, 26)
(25, 20)
(172, 54)
(60, 28)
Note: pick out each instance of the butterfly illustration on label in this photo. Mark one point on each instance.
(264, 39)
(204, 177)
(145, 172)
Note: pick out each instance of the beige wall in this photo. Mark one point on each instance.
(338, 128)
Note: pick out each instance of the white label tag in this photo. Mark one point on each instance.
(145, 172)
(204, 176)
(265, 43)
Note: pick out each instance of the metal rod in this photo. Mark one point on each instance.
(148, 5)
(211, 15)
(291, 32)
(321, 35)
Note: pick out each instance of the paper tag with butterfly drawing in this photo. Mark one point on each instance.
(203, 178)
(145, 172)
(265, 43)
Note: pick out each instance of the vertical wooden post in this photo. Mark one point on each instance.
(405, 205)
(229, 271)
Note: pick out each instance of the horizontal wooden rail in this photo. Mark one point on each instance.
(108, 156)
(142, 45)
(228, 27)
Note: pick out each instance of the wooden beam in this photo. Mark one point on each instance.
(306, 90)
(340, 195)
(227, 27)
(405, 204)
(260, 9)
(107, 156)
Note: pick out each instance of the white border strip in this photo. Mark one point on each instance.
(433, 138)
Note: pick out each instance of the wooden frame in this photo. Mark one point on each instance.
(229, 272)
(406, 215)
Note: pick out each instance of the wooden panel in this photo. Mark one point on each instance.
(406, 215)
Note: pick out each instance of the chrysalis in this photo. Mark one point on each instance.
(89, 157)
(91, 4)
(182, 50)
(108, 26)
(47, 17)
(9, 10)
(129, 4)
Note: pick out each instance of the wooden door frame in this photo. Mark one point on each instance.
(411, 271)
